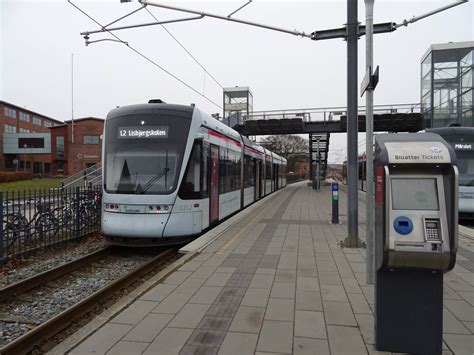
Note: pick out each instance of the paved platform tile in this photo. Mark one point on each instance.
(172, 304)
(283, 290)
(238, 343)
(262, 281)
(206, 295)
(256, 297)
(309, 324)
(135, 312)
(460, 344)
(307, 346)
(345, 340)
(333, 293)
(169, 342)
(127, 348)
(247, 320)
(338, 313)
(158, 293)
(268, 342)
(102, 340)
(189, 316)
(308, 300)
(177, 277)
(148, 328)
(280, 309)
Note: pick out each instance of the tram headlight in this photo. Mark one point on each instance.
(158, 209)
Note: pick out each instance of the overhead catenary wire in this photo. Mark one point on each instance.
(185, 49)
(146, 57)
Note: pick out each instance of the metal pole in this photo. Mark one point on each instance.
(72, 97)
(318, 173)
(369, 158)
(352, 240)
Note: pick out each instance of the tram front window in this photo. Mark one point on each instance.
(466, 167)
(144, 153)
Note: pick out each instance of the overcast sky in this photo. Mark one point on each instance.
(283, 71)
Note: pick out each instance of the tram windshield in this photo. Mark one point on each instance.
(144, 153)
(466, 167)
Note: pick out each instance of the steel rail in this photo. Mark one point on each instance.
(29, 340)
(49, 275)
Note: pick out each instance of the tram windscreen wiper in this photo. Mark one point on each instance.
(149, 183)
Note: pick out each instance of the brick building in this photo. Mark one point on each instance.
(25, 142)
(46, 146)
(71, 153)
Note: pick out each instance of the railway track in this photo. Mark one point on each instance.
(45, 304)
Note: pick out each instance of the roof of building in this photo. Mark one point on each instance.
(85, 119)
(30, 111)
(467, 45)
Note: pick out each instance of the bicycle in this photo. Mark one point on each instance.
(18, 228)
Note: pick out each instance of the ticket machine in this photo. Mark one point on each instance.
(416, 219)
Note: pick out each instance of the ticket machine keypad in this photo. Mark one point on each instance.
(432, 230)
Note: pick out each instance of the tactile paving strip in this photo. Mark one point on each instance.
(210, 333)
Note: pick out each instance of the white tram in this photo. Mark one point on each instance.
(172, 171)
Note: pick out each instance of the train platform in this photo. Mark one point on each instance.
(270, 280)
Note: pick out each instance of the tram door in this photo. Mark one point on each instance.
(257, 179)
(214, 190)
(260, 177)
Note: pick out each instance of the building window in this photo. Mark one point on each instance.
(24, 117)
(47, 168)
(24, 130)
(9, 129)
(9, 112)
(47, 123)
(37, 167)
(31, 143)
(91, 139)
(37, 120)
(60, 147)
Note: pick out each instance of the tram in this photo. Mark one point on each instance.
(462, 141)
(171, 172)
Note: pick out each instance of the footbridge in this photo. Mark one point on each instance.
(319, 123)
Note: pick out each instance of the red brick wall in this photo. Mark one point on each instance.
(79, 155)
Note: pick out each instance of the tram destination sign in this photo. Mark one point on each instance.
(141, 132)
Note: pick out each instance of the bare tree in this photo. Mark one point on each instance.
(293, 148)
(286, 145)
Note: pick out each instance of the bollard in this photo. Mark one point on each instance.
(335, 202)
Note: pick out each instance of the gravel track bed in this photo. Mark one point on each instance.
(19, 269)
(41, 304)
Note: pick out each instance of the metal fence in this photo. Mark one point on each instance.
(36, 219)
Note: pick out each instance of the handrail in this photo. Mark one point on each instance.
(328, 113)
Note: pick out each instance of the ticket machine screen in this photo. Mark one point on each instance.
(414, 194)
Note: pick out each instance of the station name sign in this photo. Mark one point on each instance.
(139, 132)
(464, 146)
(418, 152)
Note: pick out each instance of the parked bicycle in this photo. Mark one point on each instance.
(17, 227)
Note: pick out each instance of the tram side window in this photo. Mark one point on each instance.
(249, 168)
(191, 185)
(229, 170)
(205, 164)
(268, 170)
(235, 172)
(224, 181)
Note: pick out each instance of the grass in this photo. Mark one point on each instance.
(22, 187)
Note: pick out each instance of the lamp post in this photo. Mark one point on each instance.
(24, 147)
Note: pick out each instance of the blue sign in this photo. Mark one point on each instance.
(335, 186)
